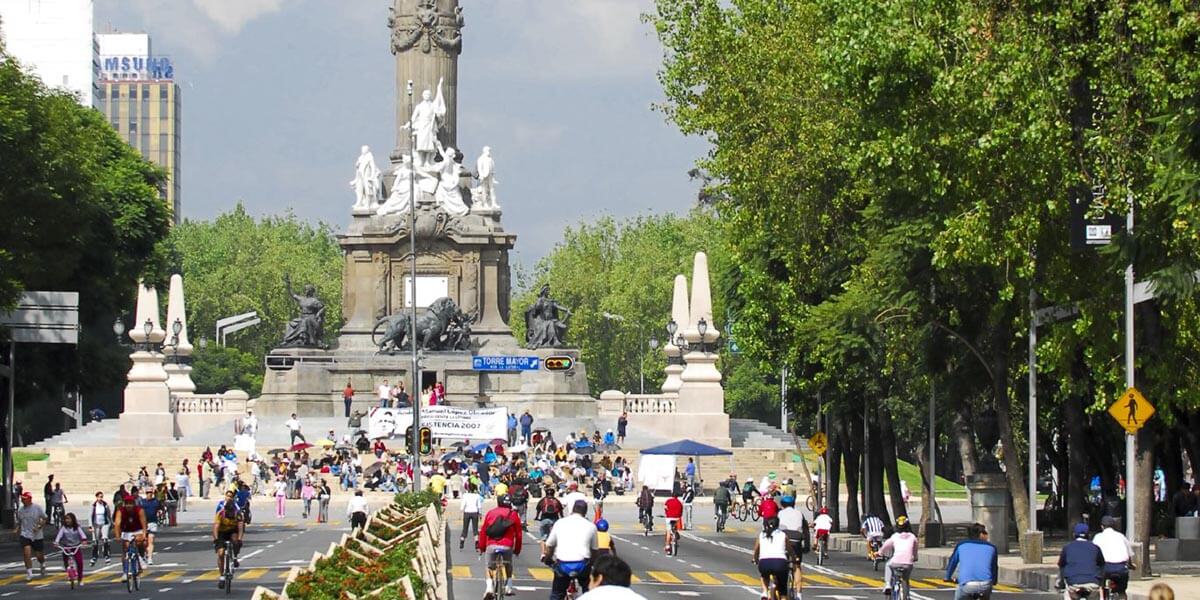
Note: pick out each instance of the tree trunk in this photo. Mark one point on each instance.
(833, 477)
(1078, 472)
(875, 500)
(887, 439)
(1143, 488)
(852, 433)
(1012, 459)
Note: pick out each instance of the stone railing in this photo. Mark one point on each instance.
(231, 402)
(650, 404)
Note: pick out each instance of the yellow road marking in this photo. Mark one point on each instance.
(635, 579)
(47, 579)
(171, 576)
(251, 574)
(11, 579)
(1000, 587)
(935, 582)
(744, 578)
(285, 573)
(664, 576)
(705, 578)
(921, 586)
(460, 571)
(210, 575)
(814, 578)
(867, 580)
(541, 573)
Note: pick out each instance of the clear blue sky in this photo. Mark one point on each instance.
(278, 95)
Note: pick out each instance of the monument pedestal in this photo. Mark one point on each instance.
(298, 381)
(989, 506)
(146, 418)
(547, 394)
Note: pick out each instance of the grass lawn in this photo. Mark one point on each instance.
(22, 458)
(945, 488)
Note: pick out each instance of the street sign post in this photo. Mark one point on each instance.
(506, 363)
(818, 443)
(1131, 411)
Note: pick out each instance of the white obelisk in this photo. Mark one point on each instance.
(679, 314)
(146, 417)
(177, 349)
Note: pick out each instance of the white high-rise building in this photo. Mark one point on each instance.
(54, 39)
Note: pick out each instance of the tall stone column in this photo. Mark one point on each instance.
(679, 314)
(147, 417)
(701, 397)
(178, 350)
(426, 40)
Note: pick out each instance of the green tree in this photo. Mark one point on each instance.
(218, 369)
(82, 213)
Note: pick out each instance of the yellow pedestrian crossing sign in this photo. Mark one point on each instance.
(818, 443)
(1131, 410)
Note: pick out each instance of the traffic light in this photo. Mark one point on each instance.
(426, 441)
(409, 444)
(559, 363)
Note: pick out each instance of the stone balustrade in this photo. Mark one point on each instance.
(650, 404)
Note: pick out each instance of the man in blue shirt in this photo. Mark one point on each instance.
(527, 428)
(150, 506)
(975, 559)
(1082, 565)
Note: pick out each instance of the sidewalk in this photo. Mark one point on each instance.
(1013, 571)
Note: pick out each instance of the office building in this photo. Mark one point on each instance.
(139, 97)
(54, 39)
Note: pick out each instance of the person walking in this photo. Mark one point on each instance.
(250, 424)
(307, 493)
(293, 425)
(281, 488)
(101, 522)
(356, 510)
(622, 423)
(48, 493)
(526, 428)
(183, 482)
(472, 505)
(688, 497)
(512, 429)
(58, 503)
(31, 519)
(348, 397)
(323, 496)
(172, 503)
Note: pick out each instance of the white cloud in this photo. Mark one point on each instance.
(232, 15)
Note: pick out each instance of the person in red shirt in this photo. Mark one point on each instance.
(673, 511)
(379, 448)
(767, 508)
(501, 542)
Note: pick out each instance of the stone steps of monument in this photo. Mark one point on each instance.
(103, 432)
(750, 433)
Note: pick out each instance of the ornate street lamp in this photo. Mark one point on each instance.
(203, 343)
(672, 327)
(702, 328)
(118, 328)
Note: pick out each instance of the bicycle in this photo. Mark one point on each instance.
(753, 509)
(822, 547)
(499, 573)
(69, 553)
(227, 572)
(873, 545)
(901, 587)
(132, 566)
(673, 536)
(647, 521)
(722, 516)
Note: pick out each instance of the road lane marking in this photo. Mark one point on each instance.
(815, 579)
(253, 573)
(460, 571)
(252, 554)
(664, 576)
(166, 589)
(705, 578)
(207, 576)
(743, 578)
(867, 580)
(541, 573)
(171, 576)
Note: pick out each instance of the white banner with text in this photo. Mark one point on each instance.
(443, 422)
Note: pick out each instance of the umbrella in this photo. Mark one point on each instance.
(610, 447)
(301, 446)
(459, 445)
(449, 456)
(324, 443)
(498, 442)
(277, 451)
(341, 447)
(479, 447)
(581, 450)
(542, 429)
(369, 471)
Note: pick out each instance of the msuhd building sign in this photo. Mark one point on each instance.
(136, 67)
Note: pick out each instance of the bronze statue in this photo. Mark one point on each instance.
(306, 330)
(543, 326)
(442, 327)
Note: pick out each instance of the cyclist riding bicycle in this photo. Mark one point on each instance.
(604, 541)
(549, 511)
(229, 525)
(1081, 564)
(673, 510)
(902, 548)
(569, 549)
(793, 525)
(773, 556)
(822, 525)
(749, 491)
(872, 531)
(1118, 553)
(645, 504)
(767, 508)
(500, 537)
(150, 506)
(975, 559)
(130, 526)
(721, 500)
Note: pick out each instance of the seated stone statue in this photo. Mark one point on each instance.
(306, 330)
(543, 326)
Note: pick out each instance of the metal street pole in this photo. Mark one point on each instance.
(9, 422)
(783, 419)
(1130, 440)
(412, 290)
(1033, 325)
(641, 360)
(932, 451)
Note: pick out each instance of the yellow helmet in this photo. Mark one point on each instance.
(901, 520)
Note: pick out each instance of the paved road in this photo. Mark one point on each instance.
(184, 560)
(709, 565)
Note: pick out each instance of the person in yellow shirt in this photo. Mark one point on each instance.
(437, 483)
(501, 489)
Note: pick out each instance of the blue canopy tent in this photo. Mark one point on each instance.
(688, 448)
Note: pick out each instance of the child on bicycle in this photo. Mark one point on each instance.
(673, 511)
(822, 525)
(902, 547)
(70, 539)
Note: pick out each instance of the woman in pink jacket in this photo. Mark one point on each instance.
(902, 547)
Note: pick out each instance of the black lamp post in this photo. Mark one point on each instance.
(176, 329)
(148, 328)
(672, 327)
(118, 328)
(702, 328)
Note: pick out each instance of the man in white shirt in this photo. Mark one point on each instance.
(610, 580)
(793, 525)
(385, 393)
(293, 425)
(1117, 552)
(250, 425)
(574, 495)
(571, 542)
(356, 510)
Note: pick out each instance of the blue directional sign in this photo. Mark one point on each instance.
(506, 363)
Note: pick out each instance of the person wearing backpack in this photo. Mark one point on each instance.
(520, 499)
(549, 510)
(500, 537)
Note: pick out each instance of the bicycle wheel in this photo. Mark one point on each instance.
(811, 503)
(228, 568)
(754, 514)
(821, 548)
